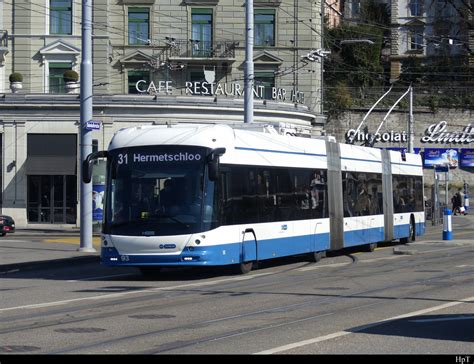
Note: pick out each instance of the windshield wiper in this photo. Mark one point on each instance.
(171, 218)
(147, 219)
(116, 224)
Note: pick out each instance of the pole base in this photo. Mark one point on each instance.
(447, 235)
(86, 250)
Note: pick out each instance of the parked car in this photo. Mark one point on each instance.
(7, 225)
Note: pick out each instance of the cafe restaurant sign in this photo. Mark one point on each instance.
(435, 133)
(232, 89)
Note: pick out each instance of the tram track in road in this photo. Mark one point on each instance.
(234, 333)
(185, 294)
(180, 289)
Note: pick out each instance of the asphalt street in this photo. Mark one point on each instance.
(401, 299)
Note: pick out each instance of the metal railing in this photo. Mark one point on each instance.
(202, 49)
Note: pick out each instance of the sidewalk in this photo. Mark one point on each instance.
(28, 249)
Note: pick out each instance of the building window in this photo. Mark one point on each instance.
(265, 80)
(60, 17)
(138, 26)
(355, 8)
(201, 37)
(56, 71)
(200, 85)
(415, 41)
(134, 77)
(415, 8)
(264, 24)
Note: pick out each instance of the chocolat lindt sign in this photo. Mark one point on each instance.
(435, 133)
(438, 133)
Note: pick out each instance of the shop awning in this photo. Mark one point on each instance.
(51, 165)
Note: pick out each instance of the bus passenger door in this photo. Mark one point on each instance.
(249, 249)
(316, 244)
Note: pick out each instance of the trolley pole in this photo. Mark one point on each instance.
(248, 72)
(86, 116)
(411, 134)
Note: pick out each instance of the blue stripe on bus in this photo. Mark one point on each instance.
(279, 151)
(365, 236)
(322, 155)
(361, 160)
(223, 254)
(407, 164)
(402, 231)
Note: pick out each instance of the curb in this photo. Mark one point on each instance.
(447, 242)
(47, 264)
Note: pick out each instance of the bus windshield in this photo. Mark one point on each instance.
(155, 190)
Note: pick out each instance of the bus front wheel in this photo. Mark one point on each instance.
(243, 268)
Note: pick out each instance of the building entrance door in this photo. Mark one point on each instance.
(52, 199)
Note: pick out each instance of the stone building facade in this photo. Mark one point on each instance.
(193, 46)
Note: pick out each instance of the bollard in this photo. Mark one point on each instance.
(466, 203)
(447, 226)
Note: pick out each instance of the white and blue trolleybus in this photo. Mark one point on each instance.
(215, 195)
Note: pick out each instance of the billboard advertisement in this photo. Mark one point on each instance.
(97, 202)
(466, 158)
(441, 156)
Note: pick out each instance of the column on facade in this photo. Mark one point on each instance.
(13, 170)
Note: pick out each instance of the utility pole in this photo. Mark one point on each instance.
(86, 116)
(322, 58)
(411, 134)
(248, 71)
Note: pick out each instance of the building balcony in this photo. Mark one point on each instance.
(201, 51)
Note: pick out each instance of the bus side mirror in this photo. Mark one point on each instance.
(88, 163)
(213, 163)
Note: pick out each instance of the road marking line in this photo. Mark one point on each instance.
(384, 258)
(440, 250)
(343, 264)
(99, 277)
(71, 240)
(121, 294)
(361, 328)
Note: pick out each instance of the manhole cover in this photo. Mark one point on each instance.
(151, 317)
(79, 330)
(17, 349)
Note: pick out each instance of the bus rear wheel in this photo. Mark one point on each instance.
(317, 256)
(370, 247)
